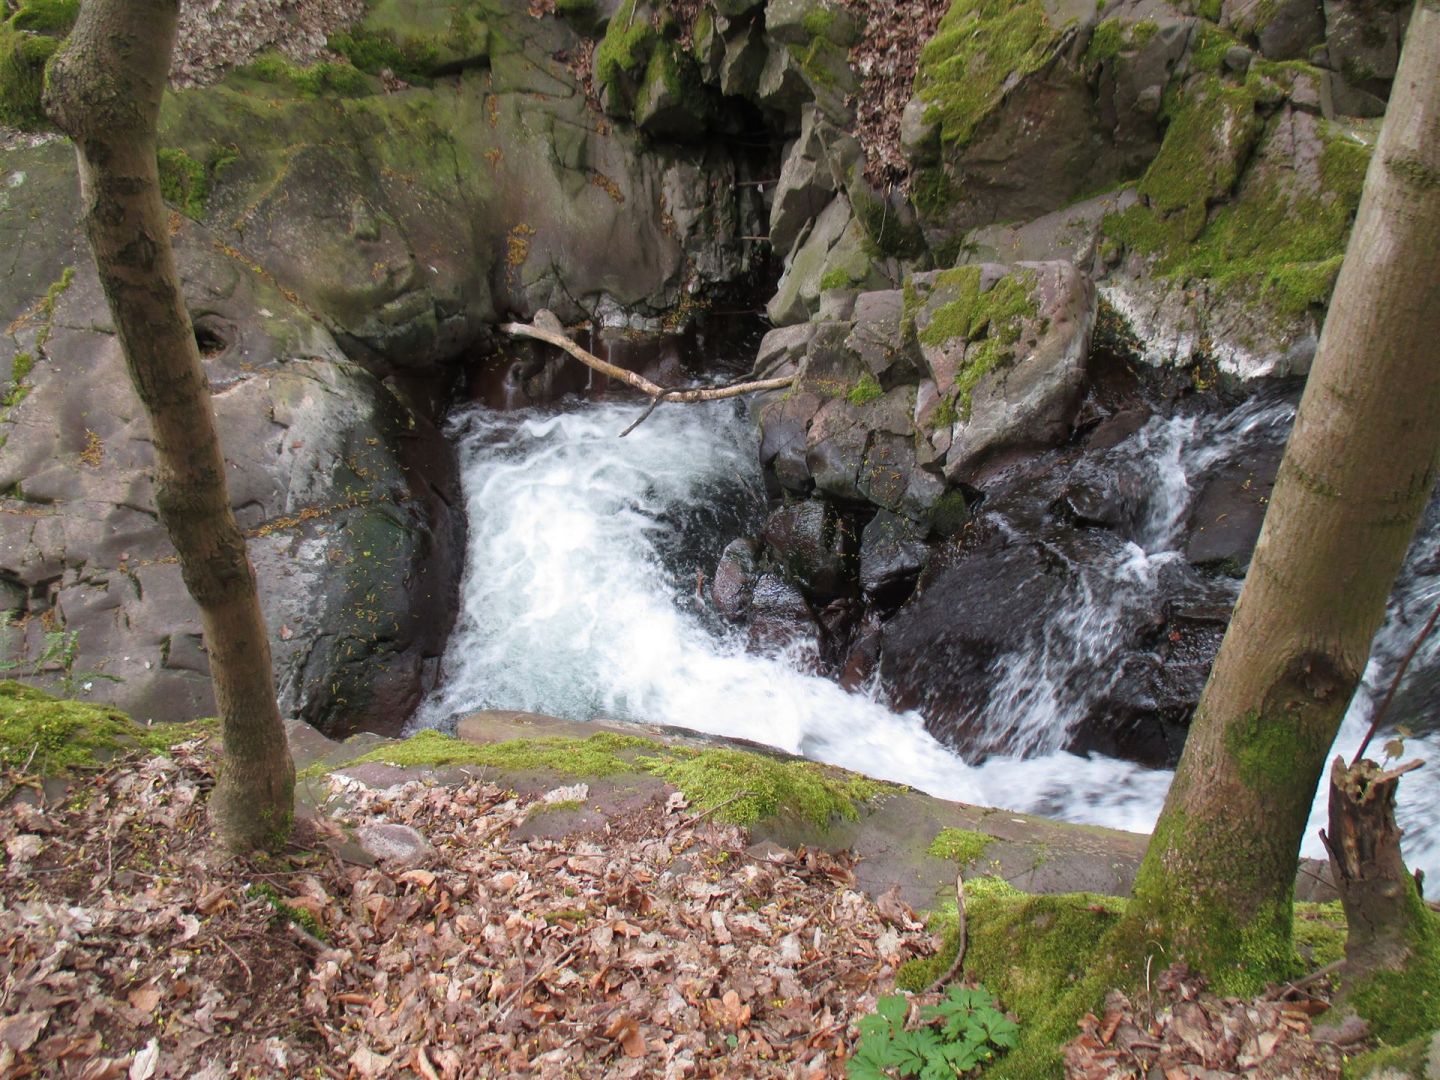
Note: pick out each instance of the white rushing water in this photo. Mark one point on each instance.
(579, 600)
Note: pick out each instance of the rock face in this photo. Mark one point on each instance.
(344, 488)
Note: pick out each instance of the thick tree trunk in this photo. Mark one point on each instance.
(1216, 884)
(104, 90)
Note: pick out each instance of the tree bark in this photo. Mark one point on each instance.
(104, 90)
(1383, 909)
(1216, 884)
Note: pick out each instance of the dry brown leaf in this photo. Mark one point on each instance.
(144, 998)
(20, 1031)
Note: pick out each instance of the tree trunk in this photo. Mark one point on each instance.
(1383, 909)
(104, 90)
(1217, 881)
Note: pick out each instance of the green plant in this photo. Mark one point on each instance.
(965, 1030)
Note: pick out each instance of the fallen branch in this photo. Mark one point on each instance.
(710, 393)
(959, 960)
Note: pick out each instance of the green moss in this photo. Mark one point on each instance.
(572, 8)
(1268, 242)
(1040, 955)
(1319, 933)
(625, 50)
(835, 278)
(887, 234)
(1208, 9)
(46, 16)
(744, 787)
(980, 48)
(312, 80)
(1106, 43)
(598, 755)
(22, 77)
(866, 390)
(991, 322)
(374, 51)
(54, 736)
(1402, 1005)
(286, 913)
(960, 845)
(1211, 45)
(183, 182)
(1408, 1059)
(20, 369)
(570, 915)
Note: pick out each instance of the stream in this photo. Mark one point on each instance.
(582, 599)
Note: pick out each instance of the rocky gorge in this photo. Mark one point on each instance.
(1082, 229)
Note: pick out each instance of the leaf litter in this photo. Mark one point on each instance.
(131, 946)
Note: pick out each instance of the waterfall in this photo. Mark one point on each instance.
(581, 599)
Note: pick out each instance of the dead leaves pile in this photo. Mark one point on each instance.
(131, 947)
(1194, 1035)
(885, 59)
(217, 35)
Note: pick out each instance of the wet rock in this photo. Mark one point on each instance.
(780, 619)
(347, 493)
(812, 543)
(1226, 516)
(807, 178)
(893, 551)
(734, 580)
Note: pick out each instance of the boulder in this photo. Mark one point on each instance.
(344, 488)
(734, 581)
(813, 545)
(893, 551)
(1284, 29)
(1006, 349)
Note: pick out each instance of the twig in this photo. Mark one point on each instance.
(1380, 712)
(304, 937)
(646, 414)
(695, 819)
(1300, 984)
(964, 939)
(249, 979)
(544, 969)
(639, 382)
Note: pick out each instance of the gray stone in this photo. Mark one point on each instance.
(1284, 29)
(1029, 394)
(876, 337)
(919, 137)
(1363, 40)
(800, 22)
(782, 88)
(1338, 98)
(396, 846)
(798, 294)
(743, 61)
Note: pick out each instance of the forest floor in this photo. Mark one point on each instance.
(661, 946)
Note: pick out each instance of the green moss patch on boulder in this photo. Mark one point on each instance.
(1228, 200)
(981, 47)
(323, 79)
(49, 736)
(23, 56)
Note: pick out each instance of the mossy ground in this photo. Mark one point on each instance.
(960, 845)
(740, 786)
(1051, 959)
(48, 736)
(323, 79)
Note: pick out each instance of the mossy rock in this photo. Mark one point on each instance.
(51, 737)
(418, 39)
(739, 786)
(23, 56)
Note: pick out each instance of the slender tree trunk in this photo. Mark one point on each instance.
(104, 90)
(1217, 881)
